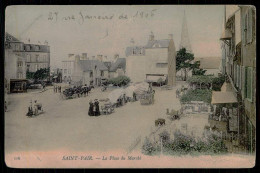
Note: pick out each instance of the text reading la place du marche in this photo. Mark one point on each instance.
(101, 158)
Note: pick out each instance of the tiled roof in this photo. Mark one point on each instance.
(120, 63)
(158, 43)
(11, 38)
(33, 48)
(87, 65)
(135, 50)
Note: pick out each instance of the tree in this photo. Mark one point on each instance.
(40, 74)
(184, 61)
(119, 81)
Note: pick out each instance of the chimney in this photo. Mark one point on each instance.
(70, 55)
(170, 36)
(77, 58)
(100, 58)
(84, 56)
(151, 38)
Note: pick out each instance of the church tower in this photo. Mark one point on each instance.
(185, 40)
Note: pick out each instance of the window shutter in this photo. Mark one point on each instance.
(249, 83)
(240, 79)
(243, 82)
(250, 24)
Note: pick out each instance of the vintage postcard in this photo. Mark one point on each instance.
(130, 86)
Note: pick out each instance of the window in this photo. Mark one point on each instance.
(248, 26)
(37, 48)
(20, 75)
(161, 65)
(69, 71)
(28, 67)
(249, 83)
(36, 58)
(241, 78)
(44, 58)
(36, 67)
(19, 63)
(91, 74)
(28, 58)
(101, 73)
(238, 76)
(65, 71)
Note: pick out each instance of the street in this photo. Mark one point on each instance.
(66, 124)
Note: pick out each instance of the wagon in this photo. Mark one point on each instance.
(107, 108)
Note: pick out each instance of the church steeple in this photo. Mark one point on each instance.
(185, 40)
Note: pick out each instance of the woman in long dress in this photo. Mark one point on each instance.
(91, 107)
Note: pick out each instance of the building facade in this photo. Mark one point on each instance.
(89, 72)
(68, 66)
(15, 65)
(37, 57)
(239, 65)
(153, 61)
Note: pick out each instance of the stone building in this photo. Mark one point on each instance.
(15, 65)
(37, 56)
(239, 65)
(90, 72)
(68, 66)
(117, 68)
(153, 61)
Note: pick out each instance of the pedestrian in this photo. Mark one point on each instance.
(35, 107)
(60, 89)
(5, 107)
(54, 88)
(91, 108)
(97, 112)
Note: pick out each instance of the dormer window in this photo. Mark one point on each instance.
(37, 48)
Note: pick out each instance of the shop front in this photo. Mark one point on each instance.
(18, 85)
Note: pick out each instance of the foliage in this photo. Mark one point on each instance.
(218, 82)
(148, 148)
(197, 95)
(119, 81)
(184, 62)
(165, 136)
(40, 74)
(29, 75)
(200, 79)
(183, 144)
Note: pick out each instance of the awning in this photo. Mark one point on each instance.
(226, 87)
(223, 97)
(155, 78)
(226, 35)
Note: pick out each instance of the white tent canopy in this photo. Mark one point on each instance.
(116, 94)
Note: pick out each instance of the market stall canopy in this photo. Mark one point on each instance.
(152, 78)
(223, 97)
(226, 87)
(116, 94)
(141, 88)
(129, 91)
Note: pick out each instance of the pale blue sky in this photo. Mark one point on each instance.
(75, 36)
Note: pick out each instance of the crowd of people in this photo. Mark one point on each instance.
(79, 91)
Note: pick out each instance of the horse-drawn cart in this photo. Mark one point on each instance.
(147, 98)
(106, 108)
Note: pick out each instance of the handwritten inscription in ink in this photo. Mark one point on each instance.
(81, 17)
